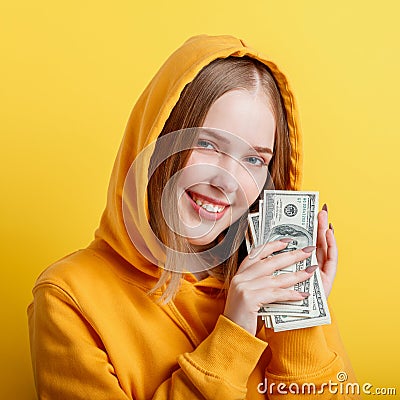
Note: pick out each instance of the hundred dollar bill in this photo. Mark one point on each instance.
(294, 308)
(254, 225)
(291, 214)
(267, 320)
(320, 315)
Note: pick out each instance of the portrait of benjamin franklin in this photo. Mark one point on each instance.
(301, 237)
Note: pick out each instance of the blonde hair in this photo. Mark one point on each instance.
(214, 80)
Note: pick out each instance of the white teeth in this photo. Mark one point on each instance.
(209, 207)
(212, 208)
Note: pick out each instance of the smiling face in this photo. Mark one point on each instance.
(227, 169)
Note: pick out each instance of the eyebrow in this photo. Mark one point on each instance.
(263, 150)
(223, 139)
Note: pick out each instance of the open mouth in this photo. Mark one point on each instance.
(206, 207)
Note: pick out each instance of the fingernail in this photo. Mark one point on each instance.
(286, 240)
(308, 249)
(304, 294)
(311, 269)
(331, 227)
(325, 207)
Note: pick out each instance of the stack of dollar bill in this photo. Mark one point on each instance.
(290, 214)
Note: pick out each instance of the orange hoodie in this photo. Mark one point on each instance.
(96, 334)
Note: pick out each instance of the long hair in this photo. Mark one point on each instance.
(214, 80)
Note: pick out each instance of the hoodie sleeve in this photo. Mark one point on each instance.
(313, 357)
(218, 368)
(68, 359)
(70, 362)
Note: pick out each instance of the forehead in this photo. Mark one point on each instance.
(245, 115)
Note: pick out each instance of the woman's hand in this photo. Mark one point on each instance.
(327, 253)
(254, 283)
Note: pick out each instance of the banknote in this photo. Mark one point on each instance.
(293, 214)
(254, 224)
(320, 315)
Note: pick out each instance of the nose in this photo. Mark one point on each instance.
(225, 176)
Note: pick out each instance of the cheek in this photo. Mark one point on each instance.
(251, 190)
(253, 183)
(197, 157)
(198, 168)
(192, 173)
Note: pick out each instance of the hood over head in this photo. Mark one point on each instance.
(145, 123)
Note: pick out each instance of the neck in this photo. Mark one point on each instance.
(200, 275)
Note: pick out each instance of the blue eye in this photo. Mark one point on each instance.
(256, 161)
(205, 144)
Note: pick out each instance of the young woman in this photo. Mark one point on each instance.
(163, 303)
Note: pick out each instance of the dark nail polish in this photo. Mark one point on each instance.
(311, 268)
(304, 294)
(325, 207)
(308, 249)
(286, 240)
(331, 227)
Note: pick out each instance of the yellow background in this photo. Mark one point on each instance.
(70, 74)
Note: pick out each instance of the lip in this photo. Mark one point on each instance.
(209, 199)
(204, 213)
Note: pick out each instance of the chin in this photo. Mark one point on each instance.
(202, 241)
